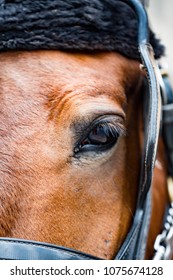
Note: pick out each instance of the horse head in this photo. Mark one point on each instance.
(72, 141)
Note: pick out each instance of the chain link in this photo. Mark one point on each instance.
(164, 242)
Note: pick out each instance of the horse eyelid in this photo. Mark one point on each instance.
(86, 126)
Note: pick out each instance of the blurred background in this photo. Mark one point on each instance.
(161, 21)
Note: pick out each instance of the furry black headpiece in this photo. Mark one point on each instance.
(74, 25)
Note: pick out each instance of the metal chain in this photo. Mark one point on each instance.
(163, 245)
(164, 242)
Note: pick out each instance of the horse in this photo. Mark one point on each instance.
(72, 135)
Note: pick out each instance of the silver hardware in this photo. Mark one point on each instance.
(164, 242)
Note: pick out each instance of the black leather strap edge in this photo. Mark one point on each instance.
(19, 249)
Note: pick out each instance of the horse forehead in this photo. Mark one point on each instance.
(66, 65)
(62, 77)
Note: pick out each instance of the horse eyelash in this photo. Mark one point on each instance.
(114, 129)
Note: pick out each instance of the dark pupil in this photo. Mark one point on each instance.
(98, 136)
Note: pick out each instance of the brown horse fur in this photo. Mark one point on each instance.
(48, 194)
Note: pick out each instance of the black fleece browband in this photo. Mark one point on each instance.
(71, 25)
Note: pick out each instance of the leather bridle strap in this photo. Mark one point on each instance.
(19, 249)
(133, 248)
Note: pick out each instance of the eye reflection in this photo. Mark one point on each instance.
(101, 137)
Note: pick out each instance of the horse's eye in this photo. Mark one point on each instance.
(101, 137)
